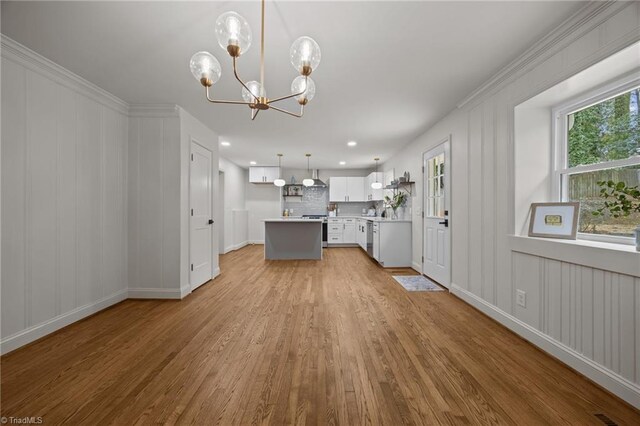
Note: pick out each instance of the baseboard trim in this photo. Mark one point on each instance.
(416, 267)
(255, 242)
(185, 290)
(623, 388)
(36, 332)
(158, 293)
(235, 247)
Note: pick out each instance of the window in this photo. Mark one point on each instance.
(600, 143)
(435, 189)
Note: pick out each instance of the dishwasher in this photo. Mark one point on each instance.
(370, 238)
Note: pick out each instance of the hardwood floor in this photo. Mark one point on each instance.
(315, 342)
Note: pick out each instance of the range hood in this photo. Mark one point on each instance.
(317, 183)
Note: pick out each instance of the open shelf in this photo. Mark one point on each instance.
(406, 186)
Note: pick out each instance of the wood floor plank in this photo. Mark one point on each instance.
(332, 342)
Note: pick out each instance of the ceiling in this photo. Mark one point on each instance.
(389, 70)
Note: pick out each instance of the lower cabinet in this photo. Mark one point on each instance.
(361, 233)
(392, 244)
(341, 231)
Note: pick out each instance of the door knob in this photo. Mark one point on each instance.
(445, 223)
(210, 221)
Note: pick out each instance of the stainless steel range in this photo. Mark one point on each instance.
(325, 232)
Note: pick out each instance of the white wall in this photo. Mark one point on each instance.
(94, 198)
(64, 222)
(154, 202)
(489, 264)
(192, 130)
(159, 160)
(235, 226)
(262, 202)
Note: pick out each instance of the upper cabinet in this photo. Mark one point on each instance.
(347, 189)
(338, 189)
(374, 194)
(263, 174)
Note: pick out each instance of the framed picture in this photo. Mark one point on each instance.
(554, 220)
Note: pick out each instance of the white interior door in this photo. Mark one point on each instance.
(201, 190)
(437, 254)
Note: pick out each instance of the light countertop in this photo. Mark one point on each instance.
(292, 219)
(372, 219)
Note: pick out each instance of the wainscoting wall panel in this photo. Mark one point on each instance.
(64, 227)
(591, 311)
(584, 315)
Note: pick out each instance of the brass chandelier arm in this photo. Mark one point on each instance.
(289, 96)
(290, 113)
(235, 73)
(254, 113)
(221, 101)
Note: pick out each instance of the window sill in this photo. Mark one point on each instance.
(620, 258)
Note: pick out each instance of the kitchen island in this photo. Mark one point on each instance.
(291, 239)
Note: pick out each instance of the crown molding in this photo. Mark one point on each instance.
(154, 110)
(14, 51)
(583, 21)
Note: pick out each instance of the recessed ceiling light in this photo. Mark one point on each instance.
(342, 163)
(352, 143)
(225, 143)
(253, 163)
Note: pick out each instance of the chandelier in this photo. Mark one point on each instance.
(234, 35)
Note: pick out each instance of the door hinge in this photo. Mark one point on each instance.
(191, 157)
(422, 169)
(191, 212)
(423, 214)
(192, 266)
(422, 260)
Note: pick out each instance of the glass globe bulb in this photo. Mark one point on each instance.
(298, 85)
(257, 90)
(376, 185)
(204, 65)
(307, 182)
(279, 182)
(305, 52)
(233, 30)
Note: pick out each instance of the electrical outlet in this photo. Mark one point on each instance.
(521, 298)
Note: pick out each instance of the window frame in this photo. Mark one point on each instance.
(561, 171)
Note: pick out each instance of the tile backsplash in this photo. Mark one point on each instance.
(355, 209)
(316, 201)
(313, 201)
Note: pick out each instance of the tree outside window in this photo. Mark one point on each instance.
(603, 145)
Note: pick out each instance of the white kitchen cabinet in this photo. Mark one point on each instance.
(361, 233)
(347, 189)
(349, 233)
(376, 241)
(374, 194)
(392, 243)
(337, 189)
(334, 238)
(355, 189)
(266, 174)
(341, 231)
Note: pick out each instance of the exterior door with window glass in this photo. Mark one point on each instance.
(436, 236)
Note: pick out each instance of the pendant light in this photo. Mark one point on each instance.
(279, 182)
(308, 181)
(376, 184)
